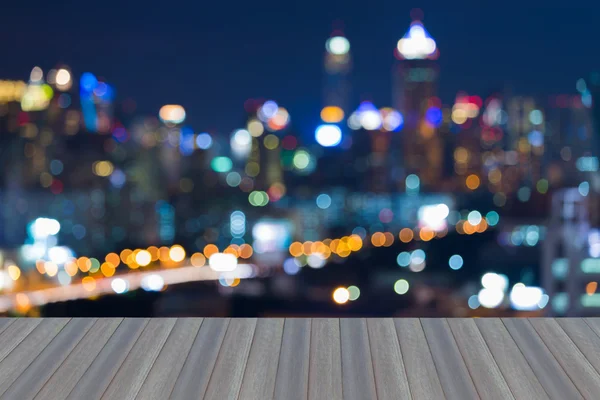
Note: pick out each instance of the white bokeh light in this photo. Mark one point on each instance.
(416, 44)
(328, 135)
(337, 45)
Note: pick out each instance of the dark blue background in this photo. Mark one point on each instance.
(211, 56)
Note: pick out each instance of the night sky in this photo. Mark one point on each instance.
(211, 56)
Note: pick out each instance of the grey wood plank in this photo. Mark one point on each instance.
(261, 368)
(132, 373)
(581, 372)
(452, 371)
(43, 366)
(72, 369)
(357, 367)
(548, 371)
(161, 379)
(25, 353)
(226, 378)
(292, 371)
(388, 367)
(97, 377)
(516, 370)
(325, 369)
(584, 338)
(15, 333)
(6, 322)
(489, 381)
(418, 362)
(594, 324)
(195, 374)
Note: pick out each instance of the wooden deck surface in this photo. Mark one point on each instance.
(322, 359)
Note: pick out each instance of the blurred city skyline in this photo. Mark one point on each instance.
(255, 161)
(211, 58)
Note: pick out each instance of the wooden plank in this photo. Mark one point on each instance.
(516, 370)
(195, 374)
(489, 381)
(325, 369)
(130, 377)
(292, 372)
(418, 362)
(594, 324)
(162, 377)
(25, 353)
(581, 372)
(97, 377)
(584, 338)
(548, 371)
(72, 369)
(43, 366)
(388, 367)
(15, 333)
(227, 375)
(6, 322)
(261, 368)
(450, 366)
(299, 358)
(357, 366)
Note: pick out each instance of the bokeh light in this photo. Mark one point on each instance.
(328, 135)
(337, 45)
(341, 295)
(455, 262)
(401, 286)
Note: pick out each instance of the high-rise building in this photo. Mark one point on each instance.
(527, 135)
(332, 135)
(259, 146)
(571, 254)
(569, 138)
(338, 64)
(415, 89)
(594, 99)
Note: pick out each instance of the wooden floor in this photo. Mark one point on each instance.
(291, 359)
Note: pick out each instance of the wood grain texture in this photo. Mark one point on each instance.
(43, 366)
(195, 374)
(263, 361)
(97, 377)
(584, 338)
(418, 362)
(160, 381)
(55, 359)
(514, 367)
(489, 381)
(14, 333)
(573, 362)
(357, 365)
(292, 373)
(388, 367)
(226, 379)
(548, 371)
(5, 323)
(450, 366)
(594, 324)
(132, 373)
(325, 369)
(64, 379)
(26, 352)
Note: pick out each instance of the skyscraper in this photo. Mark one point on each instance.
(595, 100)
(338, 64)
(415, 88)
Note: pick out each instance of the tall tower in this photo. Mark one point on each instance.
(415, 89)
(594, 94)
(338, 64)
